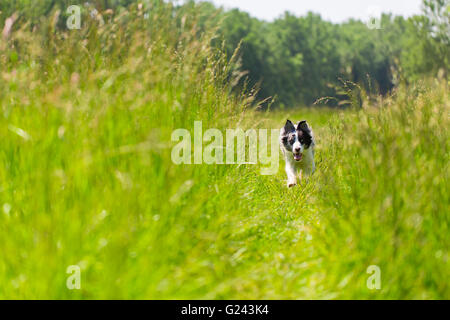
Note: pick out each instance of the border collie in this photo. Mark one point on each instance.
(297, 144)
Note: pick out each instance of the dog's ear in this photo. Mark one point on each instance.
(303, 125)
(306, 131)
(289, 126)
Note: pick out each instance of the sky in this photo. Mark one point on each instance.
(332, 10)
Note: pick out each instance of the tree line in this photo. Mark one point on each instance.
(297, 60)
(301, 59)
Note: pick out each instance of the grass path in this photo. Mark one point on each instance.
(259, 243)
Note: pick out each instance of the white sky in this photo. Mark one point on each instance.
(333, 10)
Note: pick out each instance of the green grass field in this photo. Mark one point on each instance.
(86, 179)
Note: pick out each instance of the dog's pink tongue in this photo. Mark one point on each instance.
(298, 157)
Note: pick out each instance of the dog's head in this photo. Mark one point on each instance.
(296, 138)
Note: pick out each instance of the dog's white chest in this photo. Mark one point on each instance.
(307, 162)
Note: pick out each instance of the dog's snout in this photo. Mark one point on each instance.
(297, 149)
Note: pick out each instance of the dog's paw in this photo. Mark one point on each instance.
(291, 184)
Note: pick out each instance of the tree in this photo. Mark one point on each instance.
(436, 22)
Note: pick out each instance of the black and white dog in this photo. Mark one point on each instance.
(297, 144)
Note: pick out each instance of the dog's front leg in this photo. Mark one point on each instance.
(292, 177)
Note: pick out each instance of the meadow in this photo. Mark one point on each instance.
(86, 176)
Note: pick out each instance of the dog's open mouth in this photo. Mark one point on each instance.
(297, 157)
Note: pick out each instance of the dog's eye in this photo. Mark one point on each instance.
(292, 139)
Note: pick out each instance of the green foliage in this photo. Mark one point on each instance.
(305, 55)
(86, 175)
(301, 59)
(86, 120)
(432, 31)
(297, 60)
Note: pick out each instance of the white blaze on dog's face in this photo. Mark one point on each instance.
(296, 138)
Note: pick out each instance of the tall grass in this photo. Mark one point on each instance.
(86, 176)
(386, 196)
